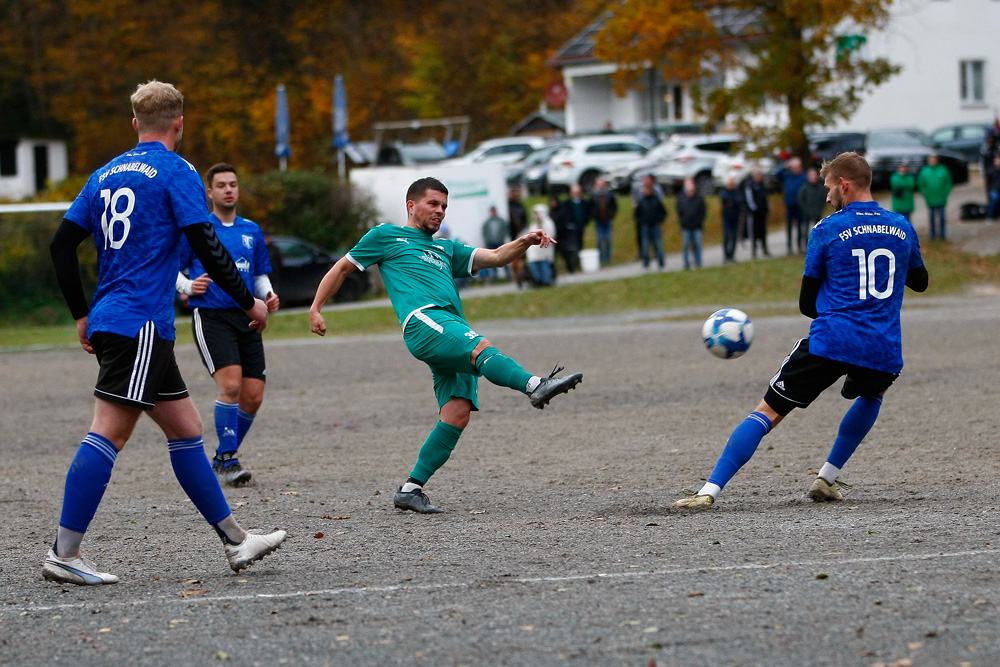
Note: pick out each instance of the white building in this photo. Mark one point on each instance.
(29, 165)
(947, 49)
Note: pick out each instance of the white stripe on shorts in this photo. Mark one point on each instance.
(143, 356)
(199, 337)
(419, 314)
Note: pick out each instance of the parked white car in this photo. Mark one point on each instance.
(583, 159)
(625, 174)
(695, 158)
(504, 150)
(738, 167)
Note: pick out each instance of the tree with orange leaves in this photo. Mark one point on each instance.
(805, 54)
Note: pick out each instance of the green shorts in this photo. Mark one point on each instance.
(444, 341)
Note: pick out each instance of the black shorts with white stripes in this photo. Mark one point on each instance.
(803, 377)
(224, 338)
(138, 371)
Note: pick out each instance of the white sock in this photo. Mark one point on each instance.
(68, 543)
(829, 472)
(232, 530)
(410, 487)
(710, 490)
(532, 384)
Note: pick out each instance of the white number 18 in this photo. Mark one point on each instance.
(108, 226)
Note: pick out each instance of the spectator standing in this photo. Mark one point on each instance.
(993, 187)
(812, 201)
(902, 184)
(494, 235)
(792, 178)
(732, 202)
(935, 184)
(755, 195)
(691, 214)
(649, 215)
(637, 195)
(604, 205)
(989, 150)
(573, 217)
(518, 223)
(541, 260)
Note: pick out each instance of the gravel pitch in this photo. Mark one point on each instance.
(560, 544)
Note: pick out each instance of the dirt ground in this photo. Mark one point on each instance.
(560, 544)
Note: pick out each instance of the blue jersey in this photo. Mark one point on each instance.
(245, 242)
(135, 207)
(862, 254)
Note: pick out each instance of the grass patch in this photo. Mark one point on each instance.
(772, 281)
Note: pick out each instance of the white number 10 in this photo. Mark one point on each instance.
(867, 271)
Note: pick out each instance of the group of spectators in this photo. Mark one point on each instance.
(744, 206)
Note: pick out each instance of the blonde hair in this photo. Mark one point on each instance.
(156, 106)
(851, 167)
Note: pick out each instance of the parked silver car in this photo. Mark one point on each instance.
(583, 159)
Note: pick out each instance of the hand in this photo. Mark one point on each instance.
(272, 302)
(258, 316)
(200, 284)
(538, 237)
(316, 323)
(81, 332)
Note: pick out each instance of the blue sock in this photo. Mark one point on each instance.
(226, 426)
(86, 481)
(502, 370)
(244, 420)
(740, 447)
(853, 428)
(194, 472)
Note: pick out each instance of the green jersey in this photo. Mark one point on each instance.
(418, 270)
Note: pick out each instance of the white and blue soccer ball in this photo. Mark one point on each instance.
(728, 333)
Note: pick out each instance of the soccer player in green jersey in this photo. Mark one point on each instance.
(419, 273)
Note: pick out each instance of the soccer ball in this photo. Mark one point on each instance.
(728, 333)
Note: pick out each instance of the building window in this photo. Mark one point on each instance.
(971, 81)
(8, 158)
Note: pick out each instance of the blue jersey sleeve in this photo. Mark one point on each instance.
(187, 196)
(79, 210)
(261, 260)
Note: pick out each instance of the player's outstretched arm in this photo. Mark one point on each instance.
(220, 267)
(331, 282)
(508, 252)
(63, 251)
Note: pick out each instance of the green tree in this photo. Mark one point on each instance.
(791, 52)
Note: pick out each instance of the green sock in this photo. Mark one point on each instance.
(435, 451)
(502, 370)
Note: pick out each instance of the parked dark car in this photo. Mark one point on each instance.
(965, 138)
(885, 149)
(825, 146)
(300, 267)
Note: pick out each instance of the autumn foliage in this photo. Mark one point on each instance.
(67, 68)
(799, 54)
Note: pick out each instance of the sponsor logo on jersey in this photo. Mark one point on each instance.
(243, 264)
(248, 242)
(431, 258)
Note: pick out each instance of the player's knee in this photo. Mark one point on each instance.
(229, 392)
(457, 412)
(482, 345)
